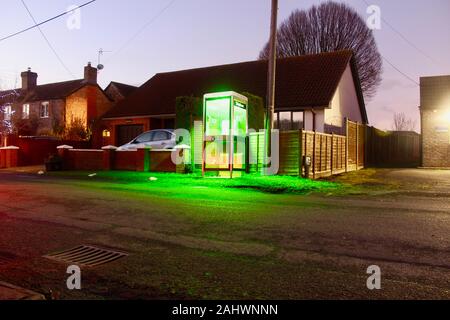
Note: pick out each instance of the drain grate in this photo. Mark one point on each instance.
(88, 256)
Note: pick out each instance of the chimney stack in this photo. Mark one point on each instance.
(29, 80)
(90, 74)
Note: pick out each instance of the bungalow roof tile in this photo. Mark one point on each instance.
(301, 82)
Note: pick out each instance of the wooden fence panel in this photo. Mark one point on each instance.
(256, 150)
(289, 153)
(329, 153)
(352, 146)
(392, 149)
(361, 145)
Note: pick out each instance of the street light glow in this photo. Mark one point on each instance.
(447, 116)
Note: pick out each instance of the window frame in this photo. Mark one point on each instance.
(26, 111)
(276, 119)
(46, 114)
(7, 112)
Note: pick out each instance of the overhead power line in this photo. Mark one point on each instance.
(414, 46)
(47, 41)
(145, 26)
(46, 21)
(401, 72)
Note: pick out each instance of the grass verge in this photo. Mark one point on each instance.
(268, 184)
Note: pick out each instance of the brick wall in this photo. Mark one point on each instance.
(9, 157)
(110, 159)
(435, 140)
(435, 114)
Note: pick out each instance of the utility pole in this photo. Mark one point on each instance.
(270, 97)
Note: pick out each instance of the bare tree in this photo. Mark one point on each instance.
(403, 123)
(7, 99)
(330, 27)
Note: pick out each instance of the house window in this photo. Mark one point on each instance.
(44, 112)
(288, 120)
(275, 120)
(297, 120)
(284, 121)
(26, 111)
(8, 113)
(106, 133)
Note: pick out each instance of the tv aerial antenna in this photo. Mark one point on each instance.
(100, 54)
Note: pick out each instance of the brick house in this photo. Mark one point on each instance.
(313, 92)
(435, 120)
(47, 109)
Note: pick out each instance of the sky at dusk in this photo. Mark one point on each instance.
(180, 34)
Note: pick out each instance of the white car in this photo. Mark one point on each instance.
(156, 139)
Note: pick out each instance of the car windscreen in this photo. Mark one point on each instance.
(145, 137)
(160, 135)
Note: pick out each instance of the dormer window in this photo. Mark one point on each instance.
(44, 110)
(26, 111)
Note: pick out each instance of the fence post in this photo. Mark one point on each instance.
(13, 157)
(357, 145)
(257, 152)
(314, 155)
(300, 153)
(108, 157)
(143, 159)
(63, 152)
(10, 157)
(346, 144)
(332, 153)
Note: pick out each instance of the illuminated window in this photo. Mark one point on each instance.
(8, 113)
(217, 116)
(44, 111)
(26, 111)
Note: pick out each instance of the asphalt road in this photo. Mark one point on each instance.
(296, 247)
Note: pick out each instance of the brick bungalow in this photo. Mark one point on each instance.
(314, 92)
(44, 109)
(435, 120)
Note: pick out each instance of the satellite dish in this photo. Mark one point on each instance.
(100, 67)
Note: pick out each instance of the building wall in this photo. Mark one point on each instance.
(44, 126)
(76, 108)
(345, 104)
(87, 104)
(435, 139)
(435, 120)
